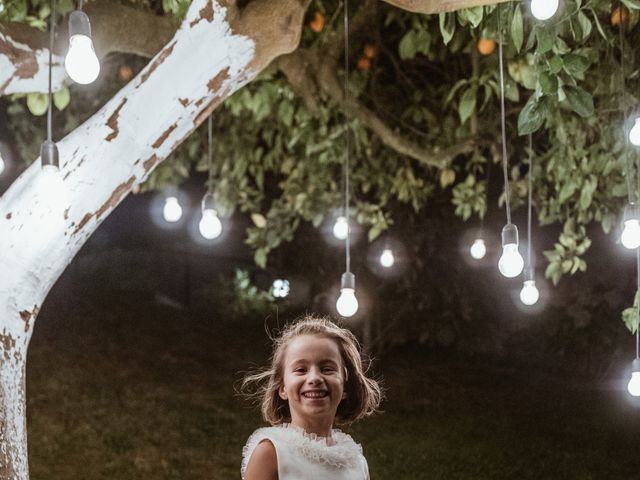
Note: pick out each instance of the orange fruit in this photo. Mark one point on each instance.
(620, 15)
(364, 64)
(486, 46)
(370, 51)
(317, 24)
(125, 73)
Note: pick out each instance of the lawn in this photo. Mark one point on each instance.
(121, 387)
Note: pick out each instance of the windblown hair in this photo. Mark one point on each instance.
(363, 394)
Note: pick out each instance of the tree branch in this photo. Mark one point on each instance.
(439, 6)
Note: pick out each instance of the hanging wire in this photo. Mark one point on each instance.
(530, 200)
(347, 139)
(51, 38)
(638, 310)
(502, 114)
(623, 89)
(209, 154)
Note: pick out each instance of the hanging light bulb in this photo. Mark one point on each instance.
(2, 164)
(544, 9)
(341, 228)
(280, 288)
(52, 183)
(478, 249)
(347, 304)
(529, 294)
(387, 259)
(630, 237)
(633, 387)
(634, 133)
(210, 225)
(511, 262)
(172, 211)
(81, 62)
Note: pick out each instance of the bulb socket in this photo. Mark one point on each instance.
(509, 234)
(631, 212)
(207, 202)
(79, 24)
(529, 274)
(348, 280)
(635, 365)
(49, 154)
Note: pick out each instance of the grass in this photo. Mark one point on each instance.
(122, 388)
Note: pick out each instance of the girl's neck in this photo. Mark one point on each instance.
(321, 429)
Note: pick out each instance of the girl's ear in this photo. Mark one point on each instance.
(282, 393)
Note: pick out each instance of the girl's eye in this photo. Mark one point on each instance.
(299, 370)
(328, 369)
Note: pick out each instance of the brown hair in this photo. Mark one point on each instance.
(363, 394)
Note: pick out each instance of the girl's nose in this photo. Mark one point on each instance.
(314, 376)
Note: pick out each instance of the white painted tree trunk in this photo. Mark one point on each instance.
(103, 159)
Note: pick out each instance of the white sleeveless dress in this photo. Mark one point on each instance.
(306, 456)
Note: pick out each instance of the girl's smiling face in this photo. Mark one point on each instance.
(313, 382)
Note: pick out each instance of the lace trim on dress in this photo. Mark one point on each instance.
(342, 452)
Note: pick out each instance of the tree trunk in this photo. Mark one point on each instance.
(215, 52)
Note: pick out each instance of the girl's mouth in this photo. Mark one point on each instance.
(315, 394)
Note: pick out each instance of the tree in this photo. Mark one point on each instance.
(117, 148)
(558, 73)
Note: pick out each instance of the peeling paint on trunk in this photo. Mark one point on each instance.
(112, 123)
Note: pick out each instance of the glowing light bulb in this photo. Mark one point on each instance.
(280, 288)
(478, 249)
(387, 259)
(347, 304)
(634, 133)
(511, 262)
(341, 228)
(544, 9)
(53, 188)
(210, 225)
(630, 237)
(2, 165)
(529, 294)
(172, 211)
(633, 387)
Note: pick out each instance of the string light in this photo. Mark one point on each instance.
(529, 294)
(387, 259)
(210, 225)
(2, 164)
(544, 9)
(511, 262)
(478, 249)
(52, 183)
(633, 387)
(172, 211)
(634, 133)
(81, 62)
(347, 303)
(341, 228)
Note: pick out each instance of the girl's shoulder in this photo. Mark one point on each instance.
(340, 451)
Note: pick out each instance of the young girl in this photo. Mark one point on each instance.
(316, 379)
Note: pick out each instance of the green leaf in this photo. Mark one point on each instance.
(531, 116)
(447, 26)
(472, 15)
(258, 220)
(467, 104)
(517, 29)
(545, 40)
(408, 46)
(61, 98)
(555, 64)
(581, 102)
(585, 25)
(632, 4)
(447, 177)
(576, 64)
(37, 103)
(260, 257)
(548, 84)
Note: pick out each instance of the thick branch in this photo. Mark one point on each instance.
(439, 6)
(310, 76)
